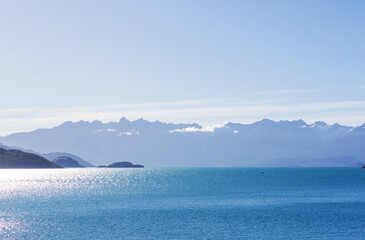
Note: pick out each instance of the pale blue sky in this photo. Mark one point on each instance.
(199, 58)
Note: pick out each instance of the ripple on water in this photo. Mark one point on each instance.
(181, 203)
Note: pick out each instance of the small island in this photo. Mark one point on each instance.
(122, 165)
(18, 159)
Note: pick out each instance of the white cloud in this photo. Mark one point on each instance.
(294, 91)
(125, 133)
(290, 91)
(193, 129)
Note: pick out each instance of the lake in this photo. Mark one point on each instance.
(183, 203)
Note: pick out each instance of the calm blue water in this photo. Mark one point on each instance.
(200, 203)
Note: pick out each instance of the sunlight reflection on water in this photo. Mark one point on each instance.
(180, 203)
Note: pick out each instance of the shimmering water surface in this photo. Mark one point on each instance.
(191, 203)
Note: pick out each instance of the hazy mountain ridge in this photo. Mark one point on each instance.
(67, 162)
(50, 156)
(263, 143)
(54, 155)
(11, 158)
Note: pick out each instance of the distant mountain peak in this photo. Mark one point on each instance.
(141, 120)
(265, 120)
(319, 124)
(124, 120)
(295, 123)
(268, 123)
(299, 121)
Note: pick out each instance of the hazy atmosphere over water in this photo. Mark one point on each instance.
(190, 119)
(180, 61)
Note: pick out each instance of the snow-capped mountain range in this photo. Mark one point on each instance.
(158, 144)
